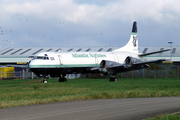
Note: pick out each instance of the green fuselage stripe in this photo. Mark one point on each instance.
(61, 66)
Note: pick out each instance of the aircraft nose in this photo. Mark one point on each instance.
(29, 63)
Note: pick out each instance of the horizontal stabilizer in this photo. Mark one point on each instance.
(142, 55)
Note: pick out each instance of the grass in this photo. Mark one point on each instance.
(166, 117)
(15, 93)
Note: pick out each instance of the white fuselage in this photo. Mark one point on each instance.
(77, 59)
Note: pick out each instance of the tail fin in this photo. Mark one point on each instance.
(132, 45)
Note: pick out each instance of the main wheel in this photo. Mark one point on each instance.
(65, 80)
(62, 79)
(113, 79)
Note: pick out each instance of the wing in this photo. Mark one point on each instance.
(111, 67)
(137, 65)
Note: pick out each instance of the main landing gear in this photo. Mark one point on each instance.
(62, 78)
(113, 79)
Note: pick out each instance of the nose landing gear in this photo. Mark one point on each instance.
(45, 78)
(44, 81)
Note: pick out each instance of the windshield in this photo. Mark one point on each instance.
(41, 58)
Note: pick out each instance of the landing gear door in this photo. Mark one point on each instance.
(60, 59)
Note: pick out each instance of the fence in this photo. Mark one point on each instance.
(149, 73)
(167, 72)
(144, 73)
(17, 75)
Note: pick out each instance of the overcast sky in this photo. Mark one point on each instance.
(63, 23)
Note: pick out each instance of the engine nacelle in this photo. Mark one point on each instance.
(129, 61)
(104, 65)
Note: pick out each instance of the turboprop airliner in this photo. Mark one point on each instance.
(58, 64)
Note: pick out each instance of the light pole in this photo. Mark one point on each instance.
(171, 52)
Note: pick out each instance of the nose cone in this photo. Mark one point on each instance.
(34, 68)
(31, 64)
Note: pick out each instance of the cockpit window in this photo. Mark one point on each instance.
(41, 58)
(46, 58)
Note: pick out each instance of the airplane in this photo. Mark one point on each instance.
(58, 64)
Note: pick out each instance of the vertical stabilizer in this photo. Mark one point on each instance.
(132, 45)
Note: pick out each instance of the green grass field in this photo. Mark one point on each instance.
(15, 93)
(166, 117)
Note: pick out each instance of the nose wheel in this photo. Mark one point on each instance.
(45, 78)
(44, 81)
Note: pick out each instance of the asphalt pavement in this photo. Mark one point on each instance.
(103, 109)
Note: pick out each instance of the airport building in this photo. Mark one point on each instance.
(24, 55)
(21, 56)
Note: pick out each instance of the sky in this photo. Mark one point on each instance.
(67, 23)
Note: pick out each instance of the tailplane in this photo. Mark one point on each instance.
(132, 45)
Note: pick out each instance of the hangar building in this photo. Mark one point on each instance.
(24, 55)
